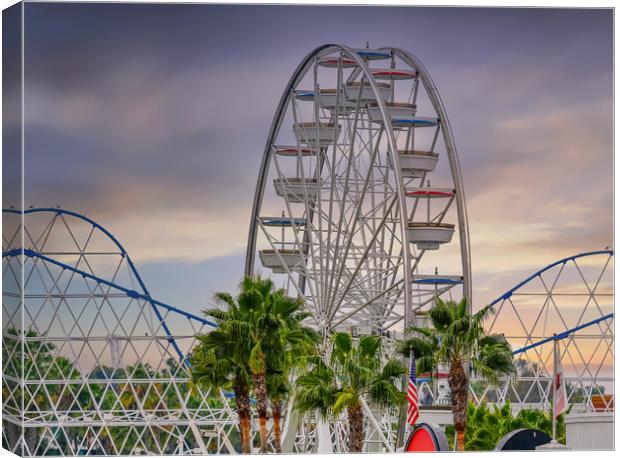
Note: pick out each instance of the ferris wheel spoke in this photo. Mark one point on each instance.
(387, 273)
(365, 254)
(339, 228)
(354, 218)
(320, 260)
(387, 254)
(332, 170)
(416, 262)
(382, 294)
(365, 287)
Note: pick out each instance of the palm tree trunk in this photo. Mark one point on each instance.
(457, 380)
(246, 446)
(260, 389)
(244, 412)
(356, 428)
(276, 408)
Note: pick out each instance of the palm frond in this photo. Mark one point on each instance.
(427, 363)
(343, 399)
(419, 347)
(369, 346)
(343, 343)
(427, 332)
(393, 369)
(441, 316)
(225, 298)
(218, 315)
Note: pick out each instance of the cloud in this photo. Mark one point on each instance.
(150, 154)
(155, 124)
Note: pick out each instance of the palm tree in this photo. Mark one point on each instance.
(220, 361)
(352, 373)
(289, 350)
(272, 323)
(457, 339)
(258, 328)
(277, 391)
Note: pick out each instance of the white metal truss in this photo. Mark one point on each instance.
(90, 364)
(575, 293)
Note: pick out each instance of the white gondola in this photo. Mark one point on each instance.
(329, 99)
(428, 236)
(282, 221)
(334, 62)
(304, 95)
(321, 135)
(295, 151)
(280, 260)
(402, 115)
(373, 54)
(392, 74)
(365, 93)
(416, 121)
(442, 280)
(414, 164)
(293, 188)
(430, 193)
(394, 111)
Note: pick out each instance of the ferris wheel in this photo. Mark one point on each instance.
(344, 212)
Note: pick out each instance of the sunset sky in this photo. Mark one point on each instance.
(151, 119)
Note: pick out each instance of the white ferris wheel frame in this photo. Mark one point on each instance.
(310, 60)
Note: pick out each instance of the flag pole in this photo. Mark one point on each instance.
(554, 388)
(408, 427)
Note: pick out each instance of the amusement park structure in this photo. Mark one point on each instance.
(354, 140)
(345, 217)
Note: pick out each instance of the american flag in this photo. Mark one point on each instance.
(412, 396)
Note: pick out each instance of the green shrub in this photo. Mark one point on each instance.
(486, 425)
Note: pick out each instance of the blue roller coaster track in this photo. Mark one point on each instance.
(156, 305)
(144, 295)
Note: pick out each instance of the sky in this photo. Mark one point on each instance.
(151, 119)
